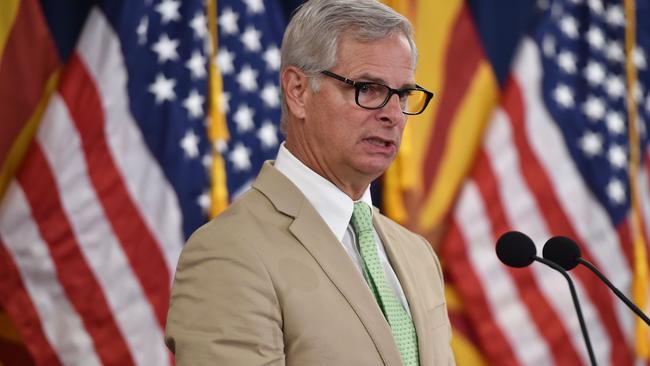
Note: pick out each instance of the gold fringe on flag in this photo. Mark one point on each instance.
(640, 280)
(217, 128)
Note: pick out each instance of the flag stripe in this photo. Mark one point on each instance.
(516, 198)
(556, 220)
(547, 321)
(514, 320)
(97, 241)
(455, 251)
(143, 253)
(100, 52)
(17, 302)
(78, 280)
(462, 59)
(22, 239)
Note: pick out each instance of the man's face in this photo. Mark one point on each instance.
(350, 145)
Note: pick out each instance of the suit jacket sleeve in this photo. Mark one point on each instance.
(223, 310)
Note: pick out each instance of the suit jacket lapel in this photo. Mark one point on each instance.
(400, 263)
(312, 232)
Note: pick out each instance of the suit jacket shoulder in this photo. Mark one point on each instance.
(268, 283)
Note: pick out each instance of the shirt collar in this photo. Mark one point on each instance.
(332, 204)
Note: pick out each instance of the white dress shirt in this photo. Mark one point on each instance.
(335, 207)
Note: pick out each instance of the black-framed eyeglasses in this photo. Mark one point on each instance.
(370, 95)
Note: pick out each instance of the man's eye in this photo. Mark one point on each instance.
(369, 88)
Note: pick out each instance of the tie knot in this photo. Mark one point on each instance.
(361, 218)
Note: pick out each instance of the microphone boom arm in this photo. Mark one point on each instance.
(576, 304)
(618, 293)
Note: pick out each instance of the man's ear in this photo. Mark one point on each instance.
(295, 85)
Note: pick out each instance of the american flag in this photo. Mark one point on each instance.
(555, 160)
(248, 57)
(116, 175)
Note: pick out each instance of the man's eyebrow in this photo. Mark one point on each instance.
(379, 80)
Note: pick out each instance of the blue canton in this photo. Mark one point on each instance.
(250, 35)
(582, 43)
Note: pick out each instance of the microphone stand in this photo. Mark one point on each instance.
(618, 293)
(576, 304)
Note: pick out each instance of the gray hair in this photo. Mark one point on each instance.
(311, 39)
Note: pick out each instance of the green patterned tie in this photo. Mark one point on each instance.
(399, 320)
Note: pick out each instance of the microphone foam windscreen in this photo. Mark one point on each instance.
(563, 251)
(516, 249)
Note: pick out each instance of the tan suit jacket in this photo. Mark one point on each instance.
(268, 283)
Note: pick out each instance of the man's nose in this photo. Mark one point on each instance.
(392, 111)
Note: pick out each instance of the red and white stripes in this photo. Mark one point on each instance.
(89, 223)
(524, 179)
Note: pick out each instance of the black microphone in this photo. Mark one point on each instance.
(566, 253)
(516, 249)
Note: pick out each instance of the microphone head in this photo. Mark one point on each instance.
(516, 249)
(563, 251)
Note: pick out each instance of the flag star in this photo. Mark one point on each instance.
(596, 38)
(567, 62)
(595, 73)
(542, 4)
(268, 135)
(198, 25)
(255, 6)
(228, 21)
(163, 89)
(166, 48)
(190, 144)
(594, 108)
(194, 104)
(196, 65)
(614, 86)
(168, 10)
(569, 26)
(244, 118)
(638, 55)
(206, 161)
(614, 51)
(272, 58)
(617, 156)
(615, 122)
(204, 202)
(240, 157)
(247, 78)
(142, 29)
(563, 96)
(548, 46)
(271, 95)
(591, 143)
(596, 6)
(616, 191)
(224, 102)
(615, 15)
(556, 10)
(225, 61)
(251, 39)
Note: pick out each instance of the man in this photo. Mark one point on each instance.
(300, 270)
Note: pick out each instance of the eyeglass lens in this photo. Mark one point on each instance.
(375, 96)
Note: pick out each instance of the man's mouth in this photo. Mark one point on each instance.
(379, 142)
